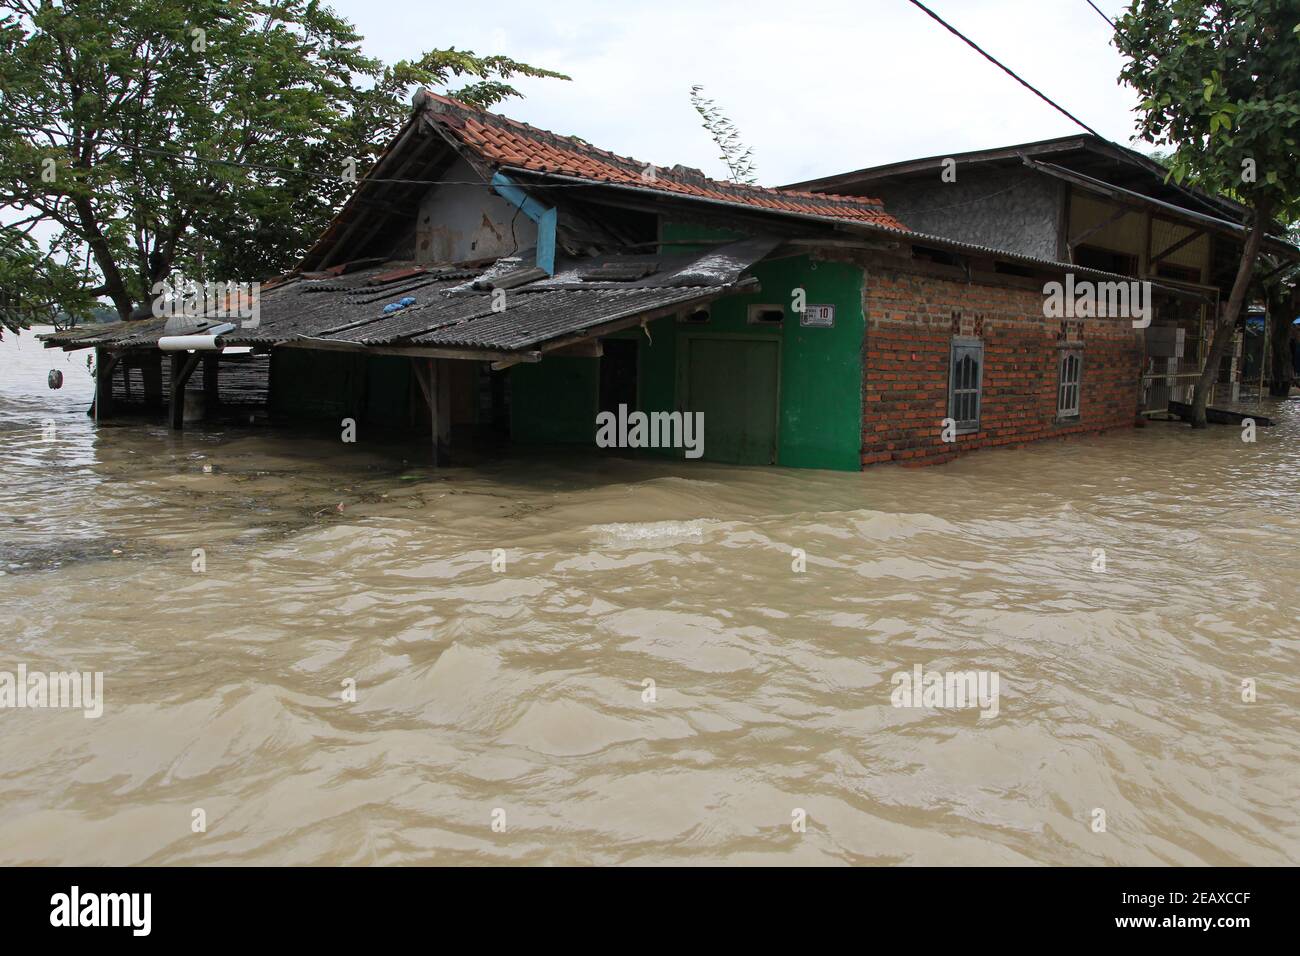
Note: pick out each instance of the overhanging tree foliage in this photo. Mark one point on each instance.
(35, 284)
(144, 138)
(1220, 83)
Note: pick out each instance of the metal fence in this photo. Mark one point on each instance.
(1160, 386)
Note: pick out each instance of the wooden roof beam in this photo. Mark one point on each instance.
(1174, 247)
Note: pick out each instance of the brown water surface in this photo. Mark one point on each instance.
(522, 691)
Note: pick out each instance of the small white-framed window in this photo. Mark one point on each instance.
(965, 377)
(766, 314)
(1068, 384)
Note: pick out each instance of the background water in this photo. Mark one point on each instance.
(522, 691)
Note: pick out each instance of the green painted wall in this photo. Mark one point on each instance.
(820, 378)
(307, 383)
(820, 423)
(554, 401)
(316, 384)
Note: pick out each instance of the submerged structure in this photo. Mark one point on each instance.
(487, 277)
(1084, 200)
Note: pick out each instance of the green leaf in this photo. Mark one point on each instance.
(241, 143)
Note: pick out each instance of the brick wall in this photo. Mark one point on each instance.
(911, 320)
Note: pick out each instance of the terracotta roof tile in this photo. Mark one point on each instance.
(507, 142)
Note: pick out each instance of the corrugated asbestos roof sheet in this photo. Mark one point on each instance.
(506, 142)
(535, 317)
(453, 307)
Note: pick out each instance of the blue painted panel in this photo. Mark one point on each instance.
(544, 216)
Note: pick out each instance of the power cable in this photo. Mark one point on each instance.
(1001, 66)
(1102, 15)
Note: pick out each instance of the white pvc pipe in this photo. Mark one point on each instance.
(187, 343)
(210, 341)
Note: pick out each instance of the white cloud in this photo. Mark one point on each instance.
(817, 87)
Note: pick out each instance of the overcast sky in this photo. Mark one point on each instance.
(815, 86)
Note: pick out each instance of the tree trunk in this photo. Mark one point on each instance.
(1225, 325)
(114, 286)
(1281, 313)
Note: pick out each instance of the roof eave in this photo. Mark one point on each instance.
(926, 164)
(1099, 187)
(874, 230)
(1012, 155)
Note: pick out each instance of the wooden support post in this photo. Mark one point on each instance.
(211, 393)
(431, 370)
(183, 365)
(176, 398)
(272, 361)
(104, 365)
(151, 368)
(427, 379)
(442, 380)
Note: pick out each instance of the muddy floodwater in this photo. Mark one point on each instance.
(519, 695)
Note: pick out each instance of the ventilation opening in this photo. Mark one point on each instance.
(766, 315)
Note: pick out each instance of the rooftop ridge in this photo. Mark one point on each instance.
(544, 151)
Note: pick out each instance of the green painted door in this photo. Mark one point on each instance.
(734, 382)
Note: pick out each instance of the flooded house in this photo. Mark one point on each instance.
(488, 280)
(1084, 200)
